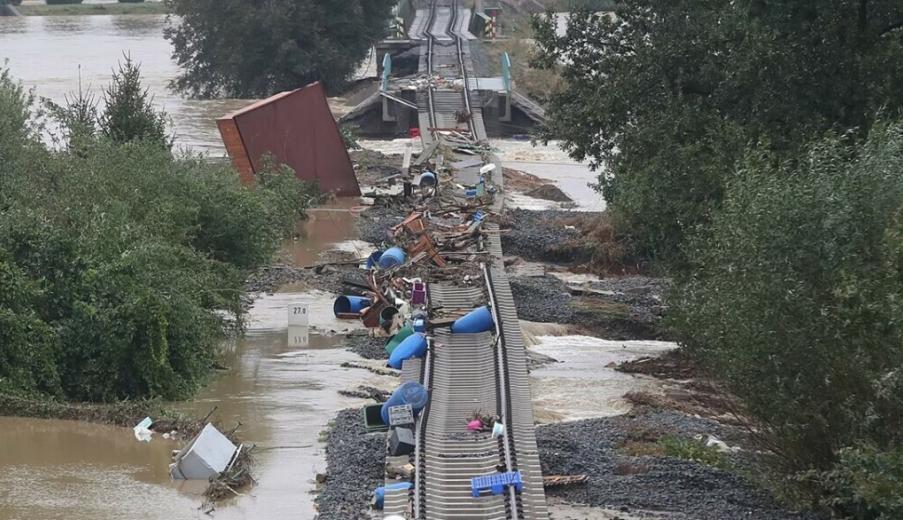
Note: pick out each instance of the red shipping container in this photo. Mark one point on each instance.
(299, 130)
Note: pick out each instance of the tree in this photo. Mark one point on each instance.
(254, 48)
(129, 113)
(794, 305)
(665, 96)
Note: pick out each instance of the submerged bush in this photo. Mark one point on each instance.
(794, 304)
(117, 259)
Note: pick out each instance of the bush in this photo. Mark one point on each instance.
(692, 449)
(118, 258)
(794, 303)
(866, 483)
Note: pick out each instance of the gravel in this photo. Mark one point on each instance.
(544, 236)
(679, 488)
(632, 308)
(355, 463)
(329, 278)
(367, 347)
(544, 299)
(373, 223)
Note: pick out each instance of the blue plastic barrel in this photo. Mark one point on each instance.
(412, 393)
(392, 257)
(380, 493)
(345, 304)
(373, 259)
(414, 346)
(396, 340)
(477, 320)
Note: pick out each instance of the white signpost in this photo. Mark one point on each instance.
(299, 314)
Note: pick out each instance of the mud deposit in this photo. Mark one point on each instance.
(650, 486)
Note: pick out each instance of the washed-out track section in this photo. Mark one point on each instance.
(467, 373)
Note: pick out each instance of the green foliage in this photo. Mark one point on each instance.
(242, 48)
(793, 303)
(349, 137)
(865, 484)
(129, 113)
(665, 96)
(692, 449)
(117, 260)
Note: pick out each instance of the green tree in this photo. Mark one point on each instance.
(665, 96)
(129, 113)
(793, 303)
(254, 48)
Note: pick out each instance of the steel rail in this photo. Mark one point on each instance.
(504, 395)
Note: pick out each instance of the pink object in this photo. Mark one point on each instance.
(475, 425)
(418, 294)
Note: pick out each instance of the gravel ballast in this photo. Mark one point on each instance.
(635, 484)
(625, 308)
(355, 463)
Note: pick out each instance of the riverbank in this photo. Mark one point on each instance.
(125, 413)
(128, 8)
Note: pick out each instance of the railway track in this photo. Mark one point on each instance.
(481, 373)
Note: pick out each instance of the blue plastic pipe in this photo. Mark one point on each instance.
(477, 320)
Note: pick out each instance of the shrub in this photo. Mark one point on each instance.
(117, 260)
(691, 449)
(794, 303)
(866, 483)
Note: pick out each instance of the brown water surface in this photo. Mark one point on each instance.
(280, 383)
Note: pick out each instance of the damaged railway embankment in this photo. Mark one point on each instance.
(659, 459)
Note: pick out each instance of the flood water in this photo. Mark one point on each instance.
(50, 53)
(281, 383)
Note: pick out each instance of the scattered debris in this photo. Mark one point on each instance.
(563, 480)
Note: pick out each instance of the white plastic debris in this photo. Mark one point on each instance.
(208, 454)
(487, 168)
(498, 429)
(714, 442)
(142, 430)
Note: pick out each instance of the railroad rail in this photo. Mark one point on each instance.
(486, 372)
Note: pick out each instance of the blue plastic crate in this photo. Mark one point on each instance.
(496, 483)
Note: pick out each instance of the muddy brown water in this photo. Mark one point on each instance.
(281, 384)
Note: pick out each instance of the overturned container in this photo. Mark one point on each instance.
(392, 257)
(346, 304)
(396, 340)
(477, 320)
(412, 393)
(414, 346)
(208, 454)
